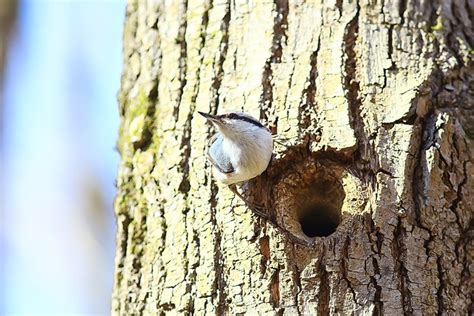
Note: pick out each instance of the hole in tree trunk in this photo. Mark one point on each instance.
(310, 197)
(319, 220)
(319, 208)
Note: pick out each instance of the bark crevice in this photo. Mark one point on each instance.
(185, 186)
(223, 46)
(344, 268)
(274, 289)
(280, 24)
(399, 252)
(402, 7)
(309, 98)
(324, 291)
(220, 282)
(182, 61)
(351, 85)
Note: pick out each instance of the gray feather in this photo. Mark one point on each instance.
(218, 157)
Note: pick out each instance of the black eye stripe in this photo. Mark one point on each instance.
(234, 116)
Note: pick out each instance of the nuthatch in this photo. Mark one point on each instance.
(241, 149)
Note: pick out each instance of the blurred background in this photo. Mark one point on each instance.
(60, 64)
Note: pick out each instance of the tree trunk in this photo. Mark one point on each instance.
(8, 14)
(371, 195)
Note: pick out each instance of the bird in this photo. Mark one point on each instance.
(240, 150)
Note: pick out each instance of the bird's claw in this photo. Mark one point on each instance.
(258, 210)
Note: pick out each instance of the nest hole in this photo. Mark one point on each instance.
(314, 198)
(319, 209)
(319, 220)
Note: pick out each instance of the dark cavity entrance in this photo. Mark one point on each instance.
(319, 221)
(319, 209)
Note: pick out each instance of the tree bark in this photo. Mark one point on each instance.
(8, 14)
(371, 195)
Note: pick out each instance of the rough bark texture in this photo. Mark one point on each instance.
(375, 99)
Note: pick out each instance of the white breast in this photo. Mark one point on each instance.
(250, 155)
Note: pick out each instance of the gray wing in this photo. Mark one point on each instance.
(218, 157)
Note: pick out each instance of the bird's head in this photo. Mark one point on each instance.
(233, 124)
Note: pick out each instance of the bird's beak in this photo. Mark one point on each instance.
(210, 117)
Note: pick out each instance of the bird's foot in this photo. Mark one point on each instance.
(257, 209)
